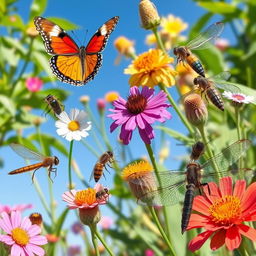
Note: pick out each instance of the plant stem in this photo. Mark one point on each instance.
(69, 164)
(238, 122)
(103, 131)
(159, 40)
(103, 242)
(153, 213)
(182, 117)
(153, 161)
(94, 241)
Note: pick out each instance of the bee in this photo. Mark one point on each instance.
(53, 104)
(102, 193)
(107, 157)
(45, 161)
(183, 53)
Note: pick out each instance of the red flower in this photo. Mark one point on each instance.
(222, 213)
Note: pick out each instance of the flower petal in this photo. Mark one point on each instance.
(247, 231)
(218, 239)
(249, 199)
(226, 186)
(197, 242)
(201, 204)
(233, 238)
(239, 188)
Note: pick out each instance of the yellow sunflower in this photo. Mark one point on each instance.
(151, 68)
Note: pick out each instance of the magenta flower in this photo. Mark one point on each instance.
(34, 84)
(74, 250)
(77, 228)
(149, 252)
(140, 110)
(19, 207)
(22, 237)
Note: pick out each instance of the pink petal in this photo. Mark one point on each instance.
(34, 230)
(131, 123)
(25, 223)
(17, 250)
(239, 188)
(113, 126)
(5, 223)
(7, 239)
(233, 238)
(134, 90)
(247, 231)
(125, 135)
(140, 121)
(226, 186)
(36, 249)
(218, 239)
(38, 240)
(197, 242)
(69, 196)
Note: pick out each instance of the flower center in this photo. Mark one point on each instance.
(238, 97)
(226, 210)
(136, 104)
(20, 236)
(73, 126)
(87, 196)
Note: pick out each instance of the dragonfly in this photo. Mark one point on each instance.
(208, 86)
(170, 186)
(43, 161)
(202, 41)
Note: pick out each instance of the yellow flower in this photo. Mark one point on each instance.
(173, 25)
(151, 39)
(150, 69)
(184, 88)
(111, 96)
(124, 46)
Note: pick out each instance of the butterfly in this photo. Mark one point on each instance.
(70, 63)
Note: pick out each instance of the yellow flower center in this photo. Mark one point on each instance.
(73, 126)
(226, 210)
(137, 170)
(20, 236)
(87, 196)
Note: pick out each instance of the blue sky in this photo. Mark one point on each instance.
(90, 15)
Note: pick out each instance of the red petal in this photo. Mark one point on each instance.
(247, 231)
(226, 186)
(197, 242)
(218, 239)
(249, 199)
(214, 192)
(197, 221)
(233, 238)
(239, 188)
(201, 204)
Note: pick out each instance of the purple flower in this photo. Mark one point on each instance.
(140, 110)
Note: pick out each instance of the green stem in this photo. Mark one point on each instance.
(159, 40)
(182, 117)
(153, 161)
(103, 131)
(238, 122)
(94, 241)
(208, 149)
(91, 116)
(69, 164)
(249, 77)
(153, 213)
(103, 242)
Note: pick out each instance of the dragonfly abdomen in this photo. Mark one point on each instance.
(187, 207)
(215, 98)
(26, 168)
(196, 64)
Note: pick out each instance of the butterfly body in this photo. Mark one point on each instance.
(70, 63)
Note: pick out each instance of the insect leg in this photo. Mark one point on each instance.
(34, 174)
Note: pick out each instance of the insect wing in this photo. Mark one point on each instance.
(166, 189)
(205, 39)
(226, 158)
(26, 153)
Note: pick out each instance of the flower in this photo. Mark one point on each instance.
(84, 99)
(164, 152)
(140, 110)
(148, 14)
(19, 207)
(106, 222)
(173, 26)
(22, 237)
(149, 252)
(52, 238)
(151, 68)
(124, 46)
(77, 228)
(195, 109)
(111, 96)
(238, 97)
(222, 213)
(34, 84)
(36, 218)
(74, 126)
(74, 250)
(222, 44)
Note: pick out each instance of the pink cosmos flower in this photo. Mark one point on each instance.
(19, 207)
(77, 228)
(238, 97)
(34, 84)
(106, 222)
(149, 252)
(74, 250)
(141, 109)
(22, 237)
(222, 44)
(85, 199)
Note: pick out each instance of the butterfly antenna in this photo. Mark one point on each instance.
(86, 32)
(77, 38)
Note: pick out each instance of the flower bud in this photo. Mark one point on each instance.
(195, 109)
(148, 14)
(101, 104)
(89, 216)
(84, 99)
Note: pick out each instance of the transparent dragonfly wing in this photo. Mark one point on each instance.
(227, 158)
(166, 189)
(26, 153)
(205, 39)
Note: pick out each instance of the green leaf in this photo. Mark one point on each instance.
(65, 24)
(251, 52)
(15, 44)
(14, 21)
(23, 141)
(220, 8)
(37, 8)
(2, 6)
(8, 104)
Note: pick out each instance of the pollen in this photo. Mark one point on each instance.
(73, 126)
(87, 196)
(226, 210)
(136, 104)
(20, 236)
(136, 170)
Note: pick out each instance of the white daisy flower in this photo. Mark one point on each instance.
(238, 97)
(73, 126)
